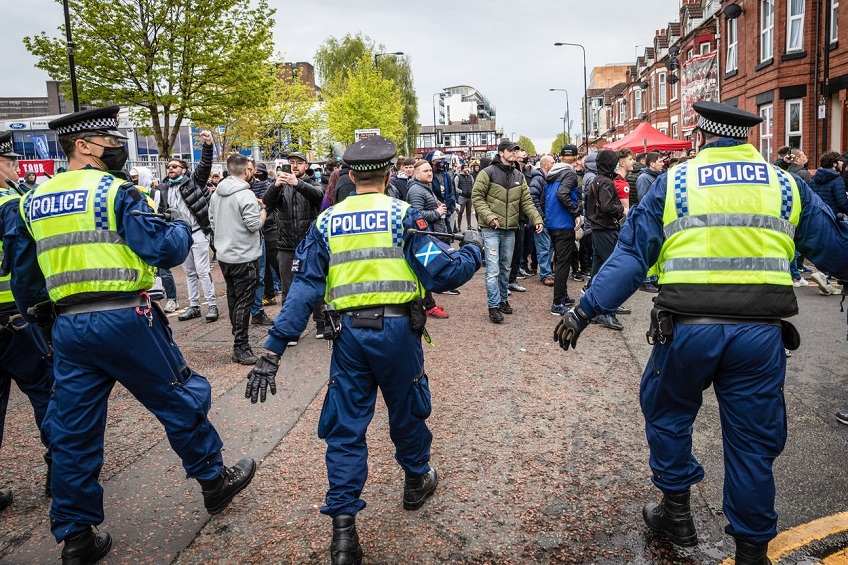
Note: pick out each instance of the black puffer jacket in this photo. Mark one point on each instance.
(296, 208)
(269, 228)
(193, 189)
(603, 207)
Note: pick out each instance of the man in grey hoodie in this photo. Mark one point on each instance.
(237, 217)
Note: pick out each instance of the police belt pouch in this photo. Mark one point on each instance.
(417, 314)
(661, 329)
(790, 335)
(372, 316)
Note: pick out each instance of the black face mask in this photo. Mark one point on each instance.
(115, 157)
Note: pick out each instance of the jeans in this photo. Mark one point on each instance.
(499, 245)
(168, 283)
(260, 287)
(793, 267)
(543, 251)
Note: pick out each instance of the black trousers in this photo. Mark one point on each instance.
(603, 242)
(241, 280)
(270, 265)
(585, 253)
(516, 252)
(562, 242)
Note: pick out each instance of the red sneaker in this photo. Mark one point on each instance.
(437, 312)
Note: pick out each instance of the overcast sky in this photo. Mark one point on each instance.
(503, 48)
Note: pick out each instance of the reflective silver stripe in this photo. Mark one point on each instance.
(371, 287)
(366, 254)
(88, 275)
(726, 264)
(77, 238)
(729, 221)
(5, 286)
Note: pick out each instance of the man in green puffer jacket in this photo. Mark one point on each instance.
(499, 192)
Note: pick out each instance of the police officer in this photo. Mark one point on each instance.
(24, 356)
(79, 243)
(721, 229)
(360, 257)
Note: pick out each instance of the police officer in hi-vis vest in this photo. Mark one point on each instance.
(86, 243)
(24, 356)
(721, 229)
(361, 258)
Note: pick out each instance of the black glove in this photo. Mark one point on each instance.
(261, 377)
(472, 237)
(174, 215)
(568, 329)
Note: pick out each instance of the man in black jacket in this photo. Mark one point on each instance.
(296, 198)
(190, 195)
(464, 182)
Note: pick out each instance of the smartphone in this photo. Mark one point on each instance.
(286, 168)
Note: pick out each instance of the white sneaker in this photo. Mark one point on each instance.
(516, 287)
(293, 343)
(800, 282)
(828, 290)
(171, 305)
(820, 280)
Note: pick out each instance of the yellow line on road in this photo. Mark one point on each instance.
(840, 558)
(792, 540)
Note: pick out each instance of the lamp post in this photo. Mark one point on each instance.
(398, 53)
(567, 117)
(72, 68)
(585, 93)
(512, 136)
(440, 95)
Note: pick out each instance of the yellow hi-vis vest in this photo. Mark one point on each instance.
(72, 220)
(5, 281)
(367, 265)
(729, 218)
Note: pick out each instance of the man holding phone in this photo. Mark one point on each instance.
(296, 196)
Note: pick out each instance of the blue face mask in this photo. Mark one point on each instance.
(178, 179)
(318, 175)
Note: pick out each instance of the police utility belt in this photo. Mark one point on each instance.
(371, 317)
(663, 322)
(104, 305)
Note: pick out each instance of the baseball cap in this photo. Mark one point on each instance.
(568, 151)
(507, 145)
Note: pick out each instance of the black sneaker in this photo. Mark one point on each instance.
(610, 321)
(345, 548)
(5, 498)
(212, 313)
(218, 493)
(842, 418)
(505, 307)
(261, 319)
(86, 547)
(623, 310)
(578, 277)
(569, 301)
(649, 287)
(245, 357)
(191, 312)
(417, 488)
(451, 292)
(495, 315)
(320, 329)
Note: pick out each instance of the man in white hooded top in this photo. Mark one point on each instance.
(237, 217)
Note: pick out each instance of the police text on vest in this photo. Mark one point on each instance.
(733, 173)
(353, 223)
(58, 204)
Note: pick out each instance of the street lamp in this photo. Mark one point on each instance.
(440, 95)
(567, 117)
(512, 136)
(585, 93)
(72, 67)
(398, 53)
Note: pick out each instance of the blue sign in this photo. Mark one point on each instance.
(58, 204)
(41, 147)
(370, 221)
(17, 125)
(733, 173)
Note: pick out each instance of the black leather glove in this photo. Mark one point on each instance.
(174, 215)
(568, 329)
(472, 237)
(262, 377)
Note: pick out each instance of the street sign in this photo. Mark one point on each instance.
(363, 133)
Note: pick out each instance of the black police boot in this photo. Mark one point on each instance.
(345, 548)
(86, 547)
(48, 489)
(218, 493)
(5, 498)
(750, 554)
(417, 488)
(673, 519)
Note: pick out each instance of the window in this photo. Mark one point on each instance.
(732, 44)
(690, 54)
(463, 139)
(766, 30)
(674, 91)
(664, 131)
(621, 111)
(834, 11)
(661, 93)
(766, 113)
(484, 139)
(795, 25)
(674, 131)
(793, 123)
(705, 48)
(637, 102)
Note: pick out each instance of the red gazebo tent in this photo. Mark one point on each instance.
(647, 138)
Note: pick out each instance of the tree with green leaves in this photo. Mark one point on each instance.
(524, 142)
(368, 100)
(169, 60)
(561, 140)
(336, 56)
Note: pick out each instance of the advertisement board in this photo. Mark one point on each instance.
(698, 83)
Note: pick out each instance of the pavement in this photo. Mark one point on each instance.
(541, 453)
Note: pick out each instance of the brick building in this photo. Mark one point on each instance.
(773, 57)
